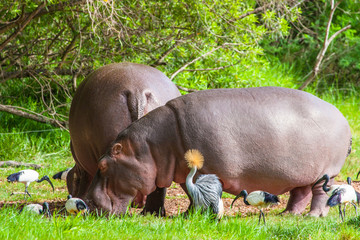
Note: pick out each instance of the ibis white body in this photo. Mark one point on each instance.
(27, 176)
(33, 208)
(37, 208)
(76, 205)
(257, 199)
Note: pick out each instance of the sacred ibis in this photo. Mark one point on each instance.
(207, 191)
(259, 199)
(343, 195)
(76, 205)
(62, 175)
(28, 176)
(37, 209)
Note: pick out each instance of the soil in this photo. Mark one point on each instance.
(177, 202)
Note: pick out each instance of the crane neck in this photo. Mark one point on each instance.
(189, 179)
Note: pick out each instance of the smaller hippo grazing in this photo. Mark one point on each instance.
(105, 103)
(269, 138)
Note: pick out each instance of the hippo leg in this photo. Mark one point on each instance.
(318, 203)
(299, 198)
(155, 203)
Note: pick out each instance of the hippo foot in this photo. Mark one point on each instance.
(155, 203)
(292, 212)
(156, 212)
(319, 213)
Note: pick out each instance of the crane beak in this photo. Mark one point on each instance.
(46, 178)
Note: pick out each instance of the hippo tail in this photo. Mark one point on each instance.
(349, 149)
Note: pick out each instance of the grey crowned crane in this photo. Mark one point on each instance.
(28, 176)
(343, 195)
(62, 175)
(259, 199)
(76, 205)
(37, 209)
(206, 192)
(328, 190)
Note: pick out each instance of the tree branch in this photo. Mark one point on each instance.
(18, 111)
(196, 59)
(29, 72)
(256, 10)
(166, 53)
(23, 25)
(186, 89)
(326, 44)
(18, 164)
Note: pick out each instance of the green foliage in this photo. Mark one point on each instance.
(341, 65)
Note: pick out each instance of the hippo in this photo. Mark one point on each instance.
(268, 138)
(105, 103)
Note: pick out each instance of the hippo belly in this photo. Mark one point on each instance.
(105, 103)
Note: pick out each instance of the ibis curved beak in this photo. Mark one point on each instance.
(46, 178)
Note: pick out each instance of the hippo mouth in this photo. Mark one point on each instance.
(139, 200)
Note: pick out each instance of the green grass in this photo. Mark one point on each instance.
(196, 226)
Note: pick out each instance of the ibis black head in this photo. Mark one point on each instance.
(324, 187)
(348, 180)
(244, 194)
(69, 196)
(46, 178)
(46, 209)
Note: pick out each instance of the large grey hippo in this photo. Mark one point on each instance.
(105, 103)
(269, 138)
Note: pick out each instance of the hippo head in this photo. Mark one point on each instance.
(126, 173)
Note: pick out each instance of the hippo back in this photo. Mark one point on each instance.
(267, 138)
(107, 101)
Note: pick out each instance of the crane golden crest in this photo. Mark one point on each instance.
(194, 158)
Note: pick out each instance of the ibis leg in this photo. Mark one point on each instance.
(259, 217)
(354, 207)
(26, 192)
(263, 215)
(340, 212)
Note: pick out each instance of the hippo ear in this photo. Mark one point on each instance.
(116, 149)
